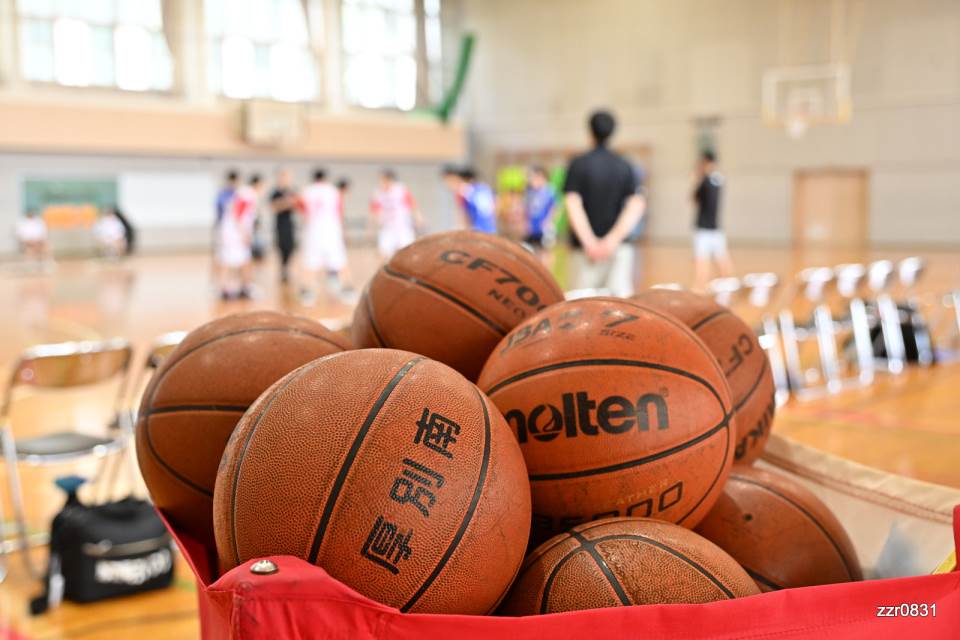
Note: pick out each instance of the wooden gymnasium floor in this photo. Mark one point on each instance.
(905, 425)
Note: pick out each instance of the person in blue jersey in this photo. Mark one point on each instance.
(475, 199)
(221, 205)
(539, 203)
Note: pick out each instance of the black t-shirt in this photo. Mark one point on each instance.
(283, 215)
(707, 196)
(604, 181)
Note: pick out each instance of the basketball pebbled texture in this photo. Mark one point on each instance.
(452, 297)
(621, 562)
(619, 409)
(198, 394)
(782, 534)
(743, 360)
(342, 463)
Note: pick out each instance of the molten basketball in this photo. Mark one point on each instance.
(452, 297)
(199, 393)
(619, 409)
(621, 562)
(781, 533)
(743, 361)
(390, 471)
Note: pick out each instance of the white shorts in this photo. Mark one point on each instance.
(233, 254)
(709, 243)
(323, 248)
(391, 240)
(615, 274)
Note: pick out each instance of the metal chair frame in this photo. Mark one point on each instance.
(24, 374)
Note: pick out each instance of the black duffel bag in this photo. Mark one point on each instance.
(104, 551)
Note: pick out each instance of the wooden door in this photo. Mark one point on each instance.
(830, 208)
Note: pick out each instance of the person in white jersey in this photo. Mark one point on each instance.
(236, 240)
(395, 212)
(323, 245)
(110, 234)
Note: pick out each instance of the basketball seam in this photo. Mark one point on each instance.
(587, 362)
(351, 456)
(226, 408)
(753, 388)
(659, 545)
(238, 463)
(156, 385)
(590, 547)
(802, 510)
(716, 478)
(757, 577)
(713, 316)
(468, 516)
(548, 585)
(447, 296)
(373, 321)
(620, 466)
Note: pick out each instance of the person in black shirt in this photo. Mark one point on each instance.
(283, 203)
(603, 205)
(709, 243)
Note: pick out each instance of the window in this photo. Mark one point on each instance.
(381, 58)
(260, 48)
(101, 43)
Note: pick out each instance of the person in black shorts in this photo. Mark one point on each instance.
(709, 242)
(604, 206)
(283, 203)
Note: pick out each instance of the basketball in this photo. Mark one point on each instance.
(619, 409)
(744, 362)
(452, 297)
(621, 562)
(781, 533)
(199, 393)
(390, 471)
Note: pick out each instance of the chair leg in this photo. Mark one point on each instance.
(771, 335)
(791, 350)
(827, 343)
(866, 364)
(892, 333)
(16, 498)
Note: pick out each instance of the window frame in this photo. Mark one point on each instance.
(419, 57)
(112, 89)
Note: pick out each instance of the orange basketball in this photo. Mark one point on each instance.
(621, 562)
(620, 410)
(199, 393)
(452, 297)
(781, 533)
(744, 362)
(389, 470)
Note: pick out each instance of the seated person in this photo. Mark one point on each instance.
(110, 234)
(31, 233)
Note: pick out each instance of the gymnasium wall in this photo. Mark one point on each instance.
(542, 65)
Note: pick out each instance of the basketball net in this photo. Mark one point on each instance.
(796, 125)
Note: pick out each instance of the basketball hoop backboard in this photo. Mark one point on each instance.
(797, 97)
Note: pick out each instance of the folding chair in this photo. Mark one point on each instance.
(910, 271)
(850, 279)
(813, 285)
(880, 277)
(68, 365)
(760, 289)
(724, 290)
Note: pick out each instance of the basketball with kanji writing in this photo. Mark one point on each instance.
(198, 394)
(619, 409)
(620, 562)
(452, 296)
(781, 533)
(744, 362)
(390, 471)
